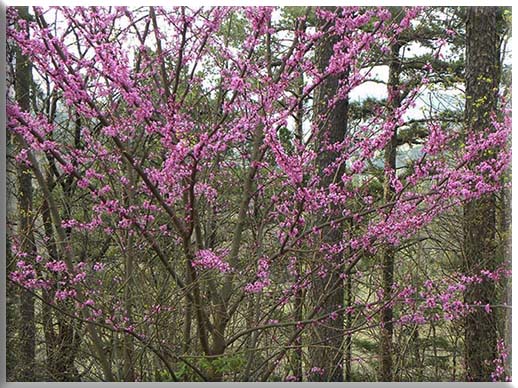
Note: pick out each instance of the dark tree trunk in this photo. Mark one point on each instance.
(63, 351)
(297, 367)
(129, 288)
(61, 345)
(327, 350)
(27, 328)
(348, 327)
(482, 79)
(504, 230)
(387, 329)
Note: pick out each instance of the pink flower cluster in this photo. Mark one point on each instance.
(27, 277)
(263, 277)
(207, 259)
(503, 354)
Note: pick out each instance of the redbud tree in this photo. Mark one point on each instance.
(181, 210)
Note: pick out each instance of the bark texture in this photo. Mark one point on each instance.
(387, 314)
(482, 79)
(27, 328)
(327, 351)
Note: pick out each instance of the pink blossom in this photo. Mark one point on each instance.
(56, 266)
(207, 259)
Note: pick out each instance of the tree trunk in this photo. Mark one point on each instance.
(27, 328)
(482, 79)
(505, 253)
(348, 327)
(61, 346)
(387, 329)
(129, 286)
(327, 350)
